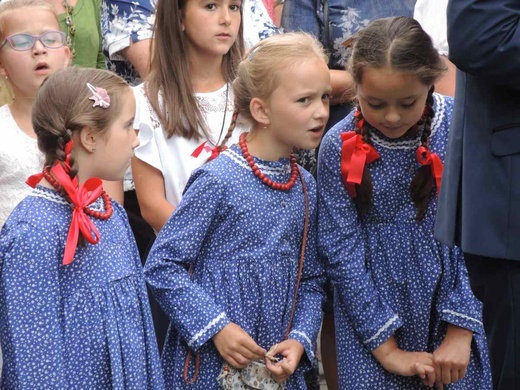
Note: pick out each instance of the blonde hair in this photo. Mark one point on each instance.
(8, 6)
(259, 72)
(62, 107)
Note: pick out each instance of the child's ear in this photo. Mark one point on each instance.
(88, 139)
(3, 72)
(67, 56)
(259, 111)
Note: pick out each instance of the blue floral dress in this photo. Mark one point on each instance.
(242, 241)
(390, 275)
(82, 326)
(124, 22)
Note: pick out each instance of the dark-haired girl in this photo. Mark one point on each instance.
(405, 314)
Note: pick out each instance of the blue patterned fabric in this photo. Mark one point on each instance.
(242, 240)
(124, 22)
(82, 326)
(391, 276)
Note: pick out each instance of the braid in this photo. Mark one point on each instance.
(423, 183)
(363, 200)
(229, 133)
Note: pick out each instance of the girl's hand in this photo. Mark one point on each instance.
(406, 363)
(452, 357)
(291, 351)
(236, 346)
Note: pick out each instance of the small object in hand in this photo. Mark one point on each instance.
(270, 354)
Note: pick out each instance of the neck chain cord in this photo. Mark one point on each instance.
(224, 118)
(71, 27)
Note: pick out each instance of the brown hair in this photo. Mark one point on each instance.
(401, 44)
(169, 75)
(62, 107)
(12, 5)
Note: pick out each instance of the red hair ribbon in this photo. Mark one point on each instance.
(425, 157)
(355, 154)
(360, 122)
(80, 197)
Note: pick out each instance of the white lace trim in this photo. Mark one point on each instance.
(206, 328)
(461, 315)
(385, 327)
(240, 160)
(440, 109)
(216, 101)
(49, 196)
(306, 339)
(56, 198)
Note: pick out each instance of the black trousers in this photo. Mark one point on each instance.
(145, 236)
(496, 283)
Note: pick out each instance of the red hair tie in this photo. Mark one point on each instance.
(360, 122)
(355, 154)
(425, 157)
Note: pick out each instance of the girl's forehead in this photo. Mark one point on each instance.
(388, 83)
(31, 20)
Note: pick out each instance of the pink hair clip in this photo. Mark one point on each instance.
(99, 96)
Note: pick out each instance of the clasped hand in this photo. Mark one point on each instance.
(447, 364)
(237, 348)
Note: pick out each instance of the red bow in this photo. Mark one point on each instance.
(425, 157)
(80, 197)
(355, 154)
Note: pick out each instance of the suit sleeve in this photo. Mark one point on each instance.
(484, 39)
(341, 242)
(191, 309)
(30, 309)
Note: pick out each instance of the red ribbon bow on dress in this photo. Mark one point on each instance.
(80, 197)
(355, 154)
(425, 157)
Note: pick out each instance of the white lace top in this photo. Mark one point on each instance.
(176, 157)
(19, 158)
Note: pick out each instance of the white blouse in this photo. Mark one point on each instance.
(431, 14)
(177, 157)
(19, 159)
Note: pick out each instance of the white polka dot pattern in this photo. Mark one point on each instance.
(243, 241)
(391, 276)
(83, 326)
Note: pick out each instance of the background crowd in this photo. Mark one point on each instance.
(187, 89)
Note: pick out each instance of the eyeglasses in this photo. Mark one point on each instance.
(23, 42)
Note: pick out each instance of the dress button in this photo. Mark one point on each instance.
(284, 204)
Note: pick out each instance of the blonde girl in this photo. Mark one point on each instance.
(235, 266)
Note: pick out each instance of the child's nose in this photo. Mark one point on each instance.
(392, 116)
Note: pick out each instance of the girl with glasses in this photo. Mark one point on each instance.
(31, 48)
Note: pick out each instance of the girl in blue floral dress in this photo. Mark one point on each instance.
(405, 314)
(74, 311)
(226, 265)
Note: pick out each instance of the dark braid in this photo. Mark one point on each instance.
(423, 183)
(363, 200)
(229, 133)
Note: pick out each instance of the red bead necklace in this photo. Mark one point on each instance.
(258, 173)
(107, 202)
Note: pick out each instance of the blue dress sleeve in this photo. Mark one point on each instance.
(456, 303)
(192, 311)
(31, 324)
(308, 314)
(341, 242)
